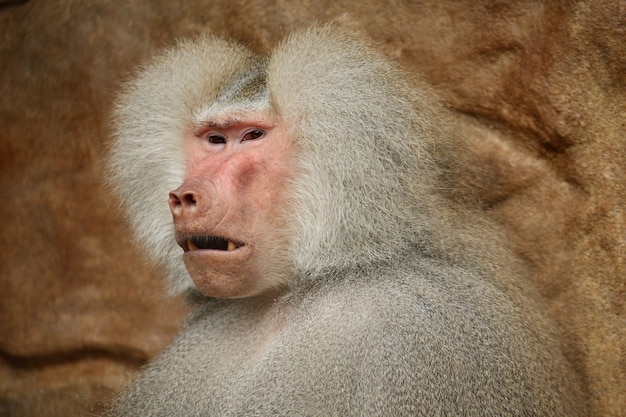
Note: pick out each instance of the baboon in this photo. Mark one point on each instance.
(311, 224)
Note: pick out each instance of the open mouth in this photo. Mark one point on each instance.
(197, 242)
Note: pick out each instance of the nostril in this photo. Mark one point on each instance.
(189, 199)
(174, 200)
(180, 201)
(175, 204)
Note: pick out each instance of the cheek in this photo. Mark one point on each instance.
(264, 174)
(265, 206)
(248, 173)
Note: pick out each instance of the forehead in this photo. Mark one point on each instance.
(239, 96)
(248, 86)
(236, 118)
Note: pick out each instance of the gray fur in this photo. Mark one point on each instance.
(399, 302)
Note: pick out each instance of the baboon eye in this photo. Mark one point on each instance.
(216, 139)
(253, 134)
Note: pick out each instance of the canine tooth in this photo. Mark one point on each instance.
(231, 246)
(191, 245)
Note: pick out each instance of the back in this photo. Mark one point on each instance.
(421, 340)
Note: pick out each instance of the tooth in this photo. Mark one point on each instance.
(231, 246)
(191, 245)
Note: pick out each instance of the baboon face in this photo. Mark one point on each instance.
(229, 211)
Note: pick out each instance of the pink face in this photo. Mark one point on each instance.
(229, 211)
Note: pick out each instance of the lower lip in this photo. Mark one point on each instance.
(241, 253)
